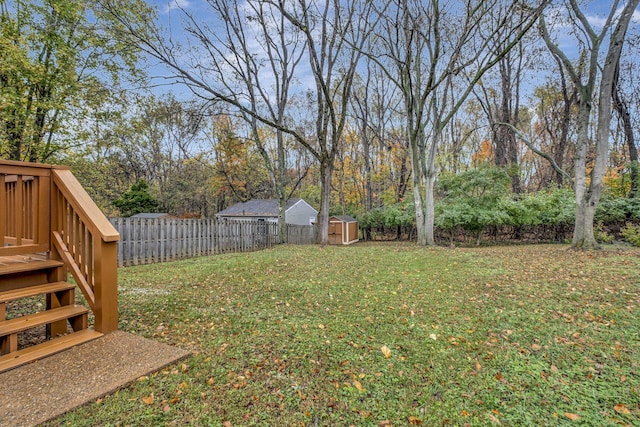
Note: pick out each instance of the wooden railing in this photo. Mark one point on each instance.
(24, 208)
(44, 209)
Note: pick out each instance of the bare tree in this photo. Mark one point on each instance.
(613, 30)
(429, 49)
(374, 107)
(500, 99)
(336, 32)
(328, 30)
(261, 52)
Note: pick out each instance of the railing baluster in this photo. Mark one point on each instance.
(3, 210)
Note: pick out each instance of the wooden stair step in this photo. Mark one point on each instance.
(47, 348)
(31, 291)
(30, 265)
(29, 321)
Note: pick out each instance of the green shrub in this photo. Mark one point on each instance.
(631, 233)
(617, 209)
(473, 200)
(601, 234)
(392, 216)
(551, 207)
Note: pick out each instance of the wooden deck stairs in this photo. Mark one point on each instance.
(49, 227)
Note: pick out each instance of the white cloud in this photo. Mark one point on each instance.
(596, 21)
(176, 4)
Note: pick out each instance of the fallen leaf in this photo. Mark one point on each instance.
(415, 421)
(478, 366)
(226, 424)
(573, 417)
(384, 423)
(210, 381)
(148, 399)
(321, 326)
(357, 385)
(184, 367)
(433, 336)
(494, 419)
(386, 351)
(622, 409)
(536, 347)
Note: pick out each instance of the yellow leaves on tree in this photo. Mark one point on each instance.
(484, 153)
(238, 167)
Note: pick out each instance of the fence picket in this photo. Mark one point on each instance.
(145, 241)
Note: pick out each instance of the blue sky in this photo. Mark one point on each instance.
(170, 17)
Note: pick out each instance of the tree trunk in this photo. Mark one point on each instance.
(420, 185)
(424, 179)
(403, 178)
(281, 188)
(419, 194)
(430, 209)
(421, 215)
(561, 146)
(326, 172)
(431, 175)
(583, 230)
(583, 237)
(506, 152)
(623, 113)
(282, 221)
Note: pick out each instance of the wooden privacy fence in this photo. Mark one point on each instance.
(146, 240)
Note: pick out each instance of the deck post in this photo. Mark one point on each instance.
(106, 286)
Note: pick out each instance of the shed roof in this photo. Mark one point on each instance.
(150, 215)
(258, 208)
(344, 218)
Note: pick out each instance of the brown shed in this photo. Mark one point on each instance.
(343, 230)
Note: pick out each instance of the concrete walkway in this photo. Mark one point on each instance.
(40, 391)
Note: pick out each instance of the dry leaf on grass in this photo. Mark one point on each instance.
(622, 409)
(148, 399)
(572, 417)
(415, 421)
(386, 351)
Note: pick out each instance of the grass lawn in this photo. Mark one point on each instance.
(385, 335)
